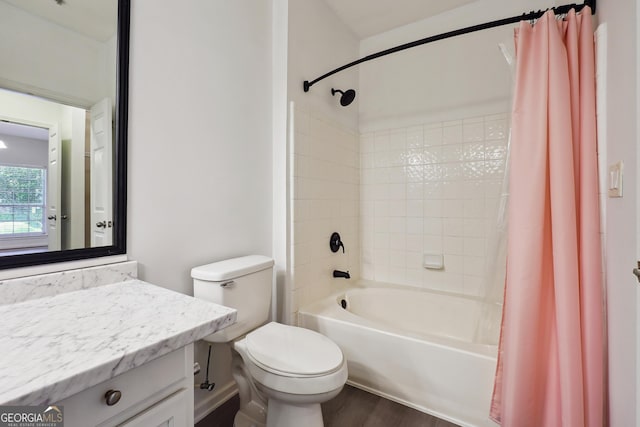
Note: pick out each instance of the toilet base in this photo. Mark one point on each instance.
(249, 417)
(282, 414)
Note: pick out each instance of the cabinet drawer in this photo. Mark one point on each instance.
(141, 386)
(170, 412)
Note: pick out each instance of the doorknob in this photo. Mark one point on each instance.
(53, 217)
(101, 224)
(636, 271)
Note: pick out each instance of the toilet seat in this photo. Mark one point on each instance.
(293, 352)
(303, 370)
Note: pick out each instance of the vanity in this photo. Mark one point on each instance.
(108, 353)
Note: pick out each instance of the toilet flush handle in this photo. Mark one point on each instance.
(228, 284)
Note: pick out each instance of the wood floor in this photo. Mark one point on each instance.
(351, 408)
(355, 408)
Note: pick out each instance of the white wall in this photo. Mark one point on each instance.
(200, 174)
(30, 110)
(280, 161)
(318, 43)
(55, 62)
(449, 79)
(621, 216)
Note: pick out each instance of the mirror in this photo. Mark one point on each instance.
(63, 129)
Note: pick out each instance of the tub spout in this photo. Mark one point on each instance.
(343, 274)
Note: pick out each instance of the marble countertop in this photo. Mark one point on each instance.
(54, 347)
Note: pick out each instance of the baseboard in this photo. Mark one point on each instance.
(213, 400)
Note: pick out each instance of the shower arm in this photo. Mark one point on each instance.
(558, 10)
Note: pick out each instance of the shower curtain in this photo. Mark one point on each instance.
(551, 354)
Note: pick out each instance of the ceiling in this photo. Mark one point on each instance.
(364, 17)
(96, 19)
(370, 17)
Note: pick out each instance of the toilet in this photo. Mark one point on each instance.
(283, 372)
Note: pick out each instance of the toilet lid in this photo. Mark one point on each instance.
(294, 351)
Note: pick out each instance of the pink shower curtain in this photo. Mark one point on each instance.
(550, 367)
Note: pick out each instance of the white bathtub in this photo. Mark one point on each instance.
(414, 347)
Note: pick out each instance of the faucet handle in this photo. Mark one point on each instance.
(335, 243)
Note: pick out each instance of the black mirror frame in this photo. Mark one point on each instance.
(120, 171)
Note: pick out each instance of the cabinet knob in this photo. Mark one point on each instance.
(112, 397)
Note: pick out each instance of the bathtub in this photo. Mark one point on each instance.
(414, 347)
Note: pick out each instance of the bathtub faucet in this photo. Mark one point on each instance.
(343, 274)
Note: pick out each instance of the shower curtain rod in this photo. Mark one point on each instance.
(559, 10)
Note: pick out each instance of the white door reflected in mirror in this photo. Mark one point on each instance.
(54, 194)
(101, 174)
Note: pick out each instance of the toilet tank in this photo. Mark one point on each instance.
(242, 283)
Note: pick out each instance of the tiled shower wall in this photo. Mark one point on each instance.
(326, 198)
(432, 189)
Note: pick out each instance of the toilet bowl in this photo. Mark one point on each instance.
(295, 369)
(283, 372)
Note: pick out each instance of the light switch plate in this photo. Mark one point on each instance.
(615, 180)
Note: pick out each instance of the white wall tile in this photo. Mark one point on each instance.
(474, 246)
(431, 244)
(452, 153)
(366, 143)
(432, 188)
(398, 140)
(397, 225)
(452, 133)
(473, 130)
(414, 173)
(453, 245)
(398, 241)
(474, 151)
(415, 208)
(397, 259)
(397, 208)
(326, 198)
(433, 135)
(495, 129)
(432, 154)
(381, 141)
(415, 137)
(414, 225)
(453, 208)
(432, 226)
(414, 242)
(432, 208)
(454, 264)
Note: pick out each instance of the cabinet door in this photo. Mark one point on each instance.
(170, 412)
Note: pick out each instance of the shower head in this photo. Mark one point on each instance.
(346, 98)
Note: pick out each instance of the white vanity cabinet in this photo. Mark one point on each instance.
(158, 393)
